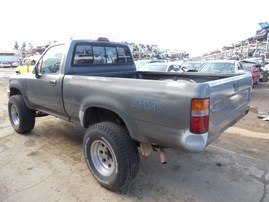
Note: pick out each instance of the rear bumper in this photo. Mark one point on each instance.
(171, 137)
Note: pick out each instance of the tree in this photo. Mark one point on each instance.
(23, 46)
(16, 45)
(30, 46)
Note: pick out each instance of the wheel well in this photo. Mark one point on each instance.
(95, 115)
(14, 91)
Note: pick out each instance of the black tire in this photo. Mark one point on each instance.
(111, 155)
(265, 77)
(21, 117)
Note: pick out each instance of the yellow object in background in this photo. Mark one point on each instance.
(27, 64)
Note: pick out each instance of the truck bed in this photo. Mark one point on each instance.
(193, 77)
(145, 96)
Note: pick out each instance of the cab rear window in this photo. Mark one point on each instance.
(93, 54)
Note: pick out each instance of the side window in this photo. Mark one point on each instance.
(111, 55)
(124, 55)
(83, 55)
(51, 60)
(99, 55)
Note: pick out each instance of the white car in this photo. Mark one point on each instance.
(4, 64)
(161, 67)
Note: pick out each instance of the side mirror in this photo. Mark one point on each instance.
(37, 70)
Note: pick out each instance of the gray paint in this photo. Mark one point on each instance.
(156, 107)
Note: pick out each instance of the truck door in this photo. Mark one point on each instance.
(45, 91)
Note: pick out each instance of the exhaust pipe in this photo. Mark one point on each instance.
(162, 156)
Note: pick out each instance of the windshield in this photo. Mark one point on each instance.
(192, 65)
(247, 66)
(218, 67)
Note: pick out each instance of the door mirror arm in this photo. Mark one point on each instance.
(37, 71)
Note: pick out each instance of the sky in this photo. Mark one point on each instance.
(195, 26)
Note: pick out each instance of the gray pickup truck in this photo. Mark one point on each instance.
(94, 83)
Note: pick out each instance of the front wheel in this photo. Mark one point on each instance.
(21, 117)
(111, 155)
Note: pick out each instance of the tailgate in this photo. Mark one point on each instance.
(229, 102)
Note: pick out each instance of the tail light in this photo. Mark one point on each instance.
(199, 116)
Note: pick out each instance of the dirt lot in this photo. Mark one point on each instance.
(48, 164)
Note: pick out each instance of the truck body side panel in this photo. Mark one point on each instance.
(155, 107)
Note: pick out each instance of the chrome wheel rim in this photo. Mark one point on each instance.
(103, 158)
(15, 115)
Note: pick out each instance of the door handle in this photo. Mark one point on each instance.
(53, 82)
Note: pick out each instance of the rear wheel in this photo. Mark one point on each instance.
(21, 117)
(111, 155)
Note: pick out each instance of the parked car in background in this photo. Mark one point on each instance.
(141, 63)
(9, 60)
(27, 64)
(230, 67)
(161, 67)
(4, 64)
(253, 69)
(192, 66)
(222, 66)
(262, 64)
